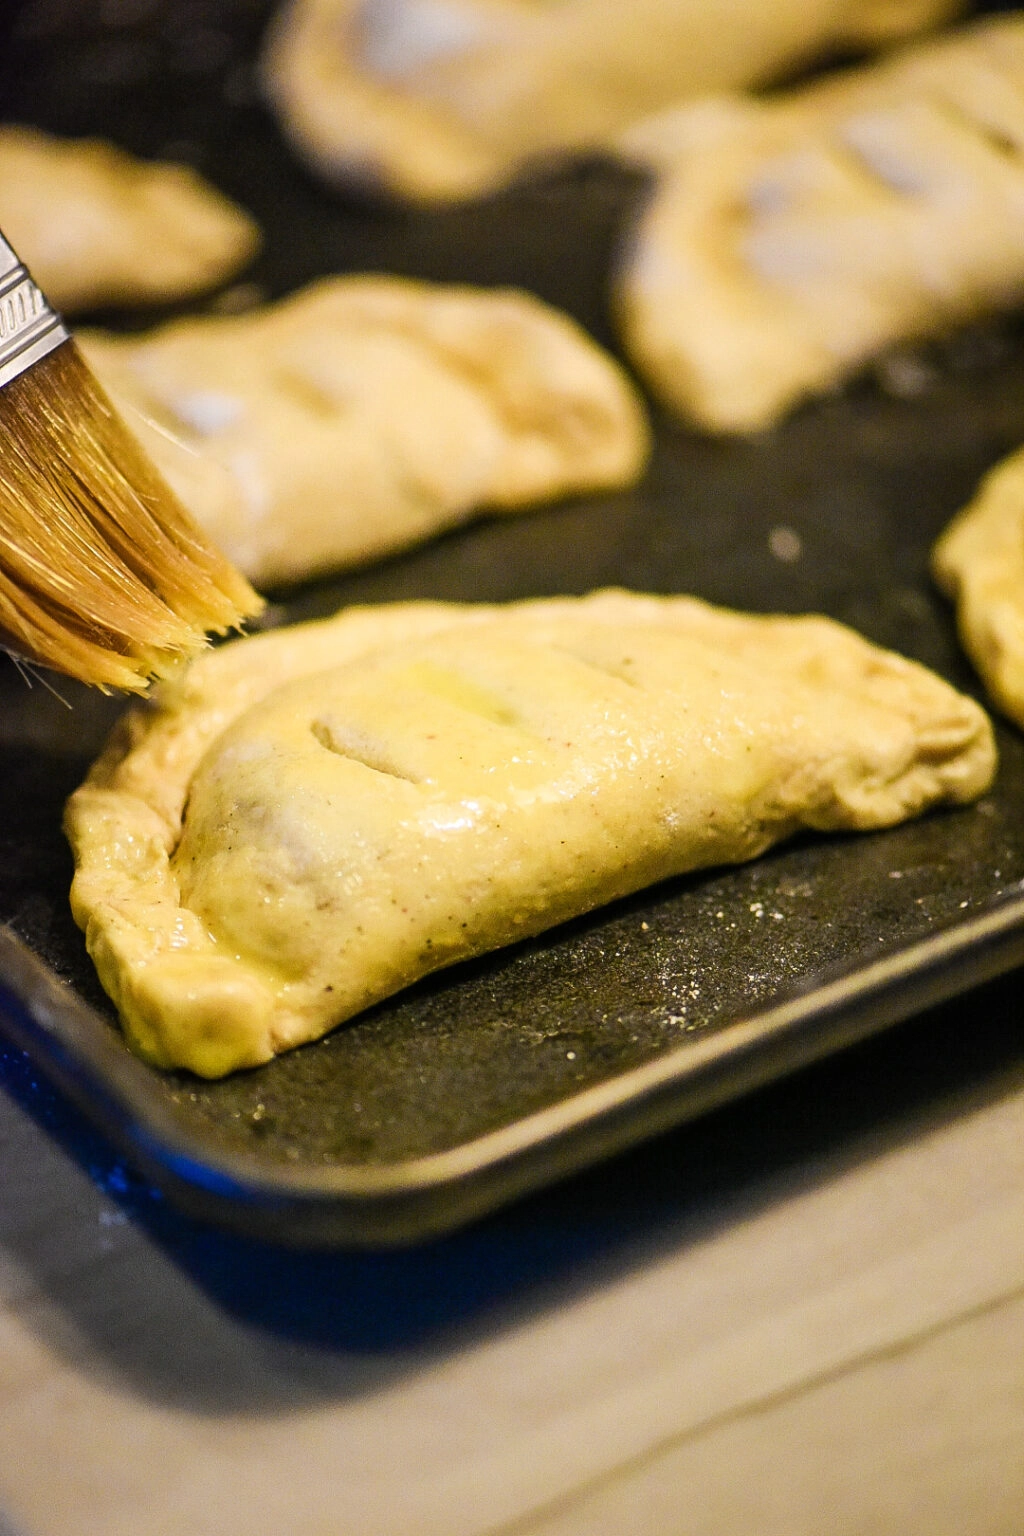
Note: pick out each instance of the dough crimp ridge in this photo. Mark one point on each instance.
(311, 819)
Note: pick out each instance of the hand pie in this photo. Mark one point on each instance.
(96, 226)
(790, 240)
(366, 413)
(312, 819)
(979, 563)
(442, 99)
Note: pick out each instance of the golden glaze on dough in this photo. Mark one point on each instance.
(312, 819)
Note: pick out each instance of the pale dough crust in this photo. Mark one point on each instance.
(310, 820)
(979, 563)
(94, 225)
(367, 413)
(442, 99)
(790, 240)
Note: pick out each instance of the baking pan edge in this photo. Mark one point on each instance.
(410, 1200)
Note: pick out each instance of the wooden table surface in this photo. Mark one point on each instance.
(804, 1314)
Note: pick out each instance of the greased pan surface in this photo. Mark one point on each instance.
(497, 1076)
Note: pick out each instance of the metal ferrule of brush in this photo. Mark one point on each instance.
(29, 328)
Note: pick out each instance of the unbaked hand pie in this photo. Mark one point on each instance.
(789, 240)
(440, 99)
(366, 413)
(979, 563)
(97, 226)
(310, 820)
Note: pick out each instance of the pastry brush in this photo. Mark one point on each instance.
(103, 574)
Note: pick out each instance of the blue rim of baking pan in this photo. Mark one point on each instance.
(420, 1197)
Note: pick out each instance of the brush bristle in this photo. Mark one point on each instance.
(103, 574)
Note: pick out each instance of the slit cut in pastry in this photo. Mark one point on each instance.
(97, 226)
(435, 100)
(312, 819)
(790, 240)
(367, 413)
(979, 564)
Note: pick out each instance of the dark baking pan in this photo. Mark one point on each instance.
(497, 1076)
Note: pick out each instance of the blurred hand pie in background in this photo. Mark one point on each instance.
(97, 226)
(435, 100)
(791, 239)
(364, 414)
